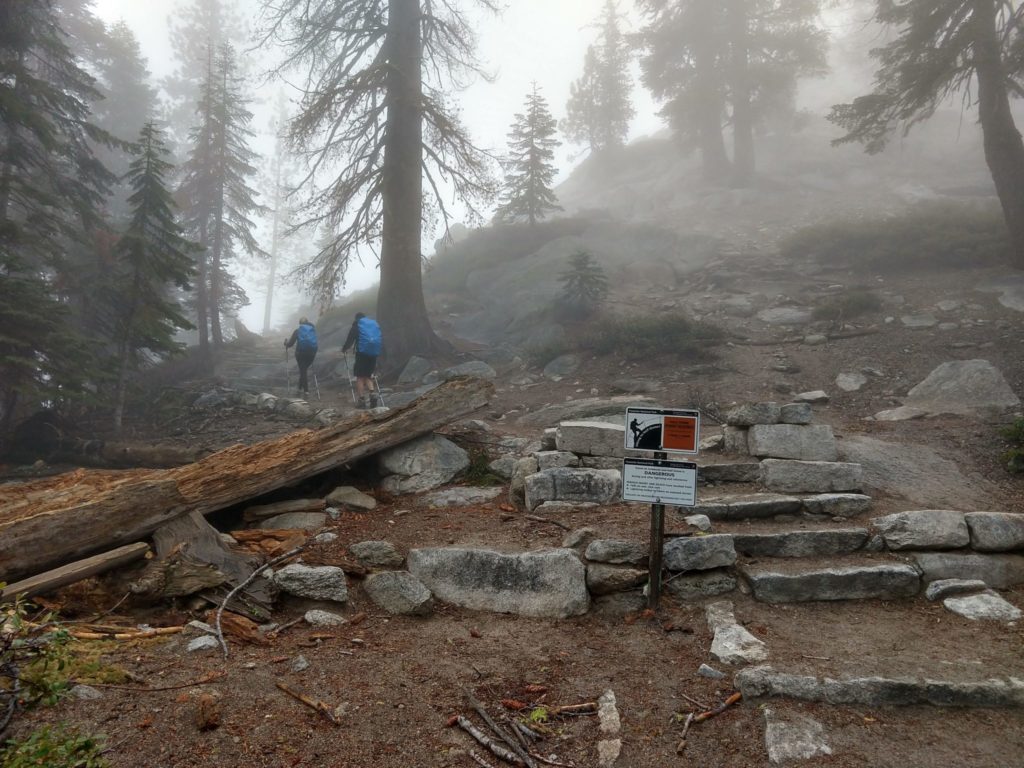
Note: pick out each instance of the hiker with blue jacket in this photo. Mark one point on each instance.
(304, 340)
(365, 336)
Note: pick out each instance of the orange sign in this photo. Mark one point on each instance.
(679, 433)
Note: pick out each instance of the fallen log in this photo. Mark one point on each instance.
(75, 572)
(283, 508)
(48, 522)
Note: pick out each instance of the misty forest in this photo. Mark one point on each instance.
(403, 382)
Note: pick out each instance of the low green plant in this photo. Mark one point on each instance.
(479, 472)
(928, 236)
(57, 747)
(1014, 457)
(848, 305)
(646, 336)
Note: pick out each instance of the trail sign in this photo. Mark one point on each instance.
(662, 429)
(660, 482)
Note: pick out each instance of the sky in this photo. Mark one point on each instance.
(532, 40)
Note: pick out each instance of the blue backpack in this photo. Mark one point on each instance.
(307, 337)
(369, 337)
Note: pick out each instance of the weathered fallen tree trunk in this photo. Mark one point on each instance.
(69, 574)
(47, 523)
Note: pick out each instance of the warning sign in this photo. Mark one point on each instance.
(662, 429)
(660, 482)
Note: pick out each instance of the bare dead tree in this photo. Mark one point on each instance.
(375, 125)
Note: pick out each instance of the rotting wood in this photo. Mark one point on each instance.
(49, 522)
(719, 709)
(75, 572)
(549, 521)
(283, 508)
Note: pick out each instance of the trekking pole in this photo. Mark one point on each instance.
(316, 385)
(288, 373)
(348, 375)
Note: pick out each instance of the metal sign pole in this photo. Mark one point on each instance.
(657, 544)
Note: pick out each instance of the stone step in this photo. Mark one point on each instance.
(767, 505)
(814, 543)
(789, 581)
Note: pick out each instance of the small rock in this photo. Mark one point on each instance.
(605, 579)
(503, 467)
(461, 496)
(608, 714)
(710, 672)
(325, 538)
(204, 643)
(796, 738)
(700, 522)
(987, 605)
(608, 751)
(735, 645)
(85, 693)
(324, 582)
(300, 663)
(815, 396)
(208, 712)
(815, 339)
(712, 443)
(617, 552)
(300, 521)
(399, 593)
(324, 619)
(796, 413)
(581, 537)
(750, 414)
(919, 321)
(851, 382)
(903, 413)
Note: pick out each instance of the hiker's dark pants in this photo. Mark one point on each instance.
(304, 357)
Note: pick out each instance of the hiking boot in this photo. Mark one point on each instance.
(362, 405)
(374, 401)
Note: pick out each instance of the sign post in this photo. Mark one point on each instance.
(658, 480)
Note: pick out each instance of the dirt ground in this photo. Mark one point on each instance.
(397, 681)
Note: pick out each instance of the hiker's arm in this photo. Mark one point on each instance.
(295, 337)
(352, 338)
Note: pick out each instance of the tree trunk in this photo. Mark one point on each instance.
(121, 392)
(1004, 149)
(742, 112)
(401, 309)
(47, 523)
(274, 246)
(714, 159)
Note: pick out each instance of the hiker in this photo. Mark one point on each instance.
(365, 336)
(304, 340)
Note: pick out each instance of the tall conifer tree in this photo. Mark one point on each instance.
(530, 169)
(154, 259)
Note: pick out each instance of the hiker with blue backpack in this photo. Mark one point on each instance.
(304, 340)
(365, 336)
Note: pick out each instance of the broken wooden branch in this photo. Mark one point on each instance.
(681, 746)
(318, 706)
(48, 522)
(486, 741)
(699, 704)
(75, 572)
(514, 745)
(213, 677)
(139, 634)
(255, 574)
(719, 709)
(479, 760)
(587, 708)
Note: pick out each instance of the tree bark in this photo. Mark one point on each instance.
(742, 111)
(1004, 149)
(401, 309)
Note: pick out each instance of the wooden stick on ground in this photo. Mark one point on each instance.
(719, 709)
(496, 749)
(252, 577)
(681, 746)
(75, 572)
(516, 747)
(700, 704)
(587, 708)
(317, 706)
(211, 678)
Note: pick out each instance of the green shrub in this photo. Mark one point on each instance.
(54, 748)
(652, 336)
(479, 472)
(584, 286)
(929, 236)
(1014, 457)
(853, 303)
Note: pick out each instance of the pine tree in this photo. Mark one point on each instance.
(153, 259)
(530, 169)
(376, 100)
(734, 62)
(584, 285)
(216, 199)
(51, 188)
(600, 103)
(946, 47)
